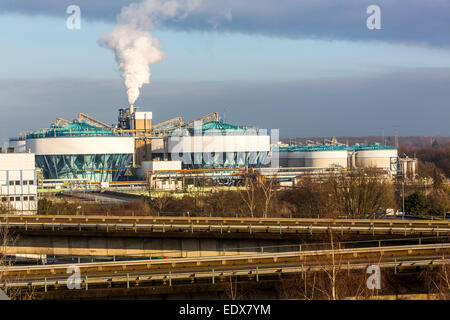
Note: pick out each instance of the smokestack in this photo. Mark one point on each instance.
(131, 109)
(134, 46)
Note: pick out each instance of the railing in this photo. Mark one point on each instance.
(304, 258)
(290, 224)
(300, 247)
(211, 275)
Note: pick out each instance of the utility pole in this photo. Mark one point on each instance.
(396, 135)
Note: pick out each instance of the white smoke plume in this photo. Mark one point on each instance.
(134, 46)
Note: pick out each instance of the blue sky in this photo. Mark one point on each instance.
(294, 82)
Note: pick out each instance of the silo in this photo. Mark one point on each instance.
(283, 158)
(296, 159)
(325, 158)
(219, 145)
(18, 145)
(375, 156)
(80, 151)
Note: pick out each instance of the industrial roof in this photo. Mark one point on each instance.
(334, 147)
(223, 128)
(76, 129)
(219, 125)
(375, 146)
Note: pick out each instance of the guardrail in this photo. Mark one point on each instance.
(213, 276)
(223, 221)
(263, 259)
(260, 249)
(223, 227)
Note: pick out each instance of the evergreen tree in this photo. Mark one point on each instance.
(416, 203)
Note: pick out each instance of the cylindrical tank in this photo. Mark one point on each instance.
(81, 145)
(18, 145)
(375, 158)
(413, 168)
(283, 158)
(351, 160)
(296, 159)
(326, 159)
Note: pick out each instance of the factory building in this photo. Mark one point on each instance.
(18, 185)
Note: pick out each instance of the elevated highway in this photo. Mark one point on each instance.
(303, 258)
(191, 237)
(215, 271)
(137, 221)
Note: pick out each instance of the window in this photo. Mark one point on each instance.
(25, 182)
(25, 198)
(30, 182)
(11, 198)
(31, 198)
(17, 183)
(11, 183)
(4, 199)
(17, 198)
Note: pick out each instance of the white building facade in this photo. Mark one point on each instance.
(18, 183)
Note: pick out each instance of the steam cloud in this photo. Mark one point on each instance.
(134, 46)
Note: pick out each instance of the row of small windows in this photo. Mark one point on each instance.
(25, 198)
(24, 182)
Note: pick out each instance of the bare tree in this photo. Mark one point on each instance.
(310, 198)
(268, 188)
(331, 269)
(362, 192)
(7, 240)
(232, 289)
(439, 281)
(161, 201)
(327, 278)
(250, 192)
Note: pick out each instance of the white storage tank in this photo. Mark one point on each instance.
(296, 159)
(326, 158)
(218, 145)
(79, 151)
(18, 145)
(283, 158)
(379, 158)
(314, 156)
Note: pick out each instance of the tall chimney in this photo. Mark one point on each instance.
(131, 109)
